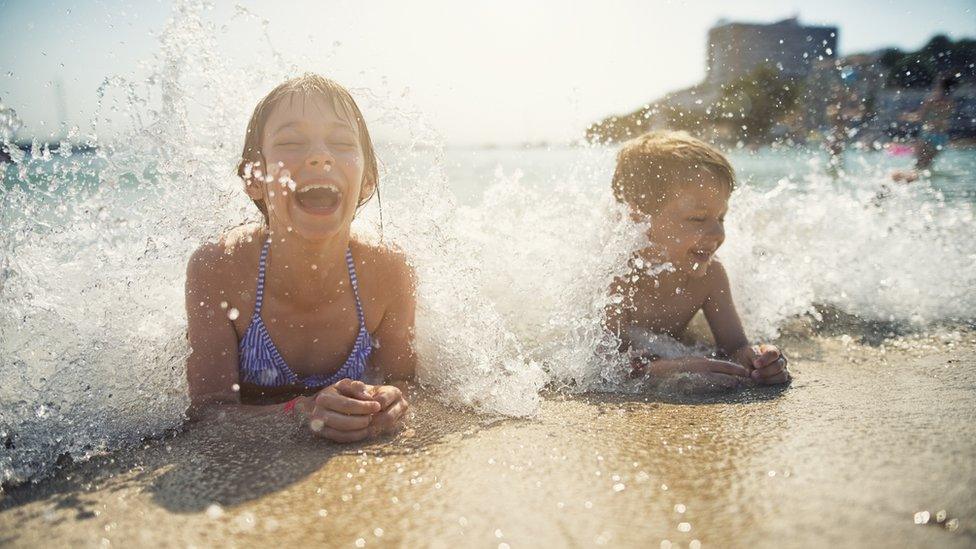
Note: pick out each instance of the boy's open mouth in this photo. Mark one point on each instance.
(319, 198)
(701, 256)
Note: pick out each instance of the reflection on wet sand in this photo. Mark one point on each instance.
(865, 437)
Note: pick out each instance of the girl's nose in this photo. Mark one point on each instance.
(321, 157)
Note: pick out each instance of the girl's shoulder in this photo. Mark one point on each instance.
(227, 258)
(381, 265)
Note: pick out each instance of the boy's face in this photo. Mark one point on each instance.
(690, 226)
(316, 160)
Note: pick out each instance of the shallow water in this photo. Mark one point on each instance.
(862, 441)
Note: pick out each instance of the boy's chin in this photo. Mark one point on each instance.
(697, 270)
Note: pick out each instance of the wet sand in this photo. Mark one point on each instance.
(865, 437)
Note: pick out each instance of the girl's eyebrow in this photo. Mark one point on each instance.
(294, 124)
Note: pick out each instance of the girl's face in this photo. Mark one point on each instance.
(315, 161)
(690, 227)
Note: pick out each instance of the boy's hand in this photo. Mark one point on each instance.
(766, 362)
(718, 373)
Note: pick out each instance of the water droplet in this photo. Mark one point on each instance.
(223, 304)
(695, 544)
(684, 527)
(315, 267)
(940, 517)
(922, 517)
(215, 511)
(665, 544)
(235, 387)
(680, 508)
(378, 532)
(360, 542)
(323, 513)
(233, 313)
(316, 425)
(619, 487)
(498, 533)
(952, 525)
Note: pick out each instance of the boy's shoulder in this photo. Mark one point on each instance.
(716, 278)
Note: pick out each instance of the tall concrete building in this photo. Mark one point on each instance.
(735, 49)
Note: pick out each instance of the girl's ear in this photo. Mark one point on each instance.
(369, 186)
(253, 182)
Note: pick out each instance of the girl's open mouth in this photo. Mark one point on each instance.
(319, 198)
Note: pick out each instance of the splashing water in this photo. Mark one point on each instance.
(513, 266)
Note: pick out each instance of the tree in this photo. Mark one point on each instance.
(756, 102)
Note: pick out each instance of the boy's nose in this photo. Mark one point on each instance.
(716, 230)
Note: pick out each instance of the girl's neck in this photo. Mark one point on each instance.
(307, 272)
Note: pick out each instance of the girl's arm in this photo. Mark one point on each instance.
(722, 317)
(394, 355)
(211, 368)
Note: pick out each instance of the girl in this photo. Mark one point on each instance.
(296, 308)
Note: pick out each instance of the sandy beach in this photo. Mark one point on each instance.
(868, 435)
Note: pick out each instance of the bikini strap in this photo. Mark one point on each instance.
(262, 263)
(355, 286)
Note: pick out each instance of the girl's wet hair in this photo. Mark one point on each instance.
(303, 86)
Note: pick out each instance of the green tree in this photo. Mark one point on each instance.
(756, 102)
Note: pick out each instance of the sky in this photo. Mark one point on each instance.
(506, 71)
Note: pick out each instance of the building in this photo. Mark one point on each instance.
(735, 49)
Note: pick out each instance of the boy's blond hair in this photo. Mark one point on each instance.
(651, 167)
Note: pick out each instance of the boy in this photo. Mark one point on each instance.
(683, 186)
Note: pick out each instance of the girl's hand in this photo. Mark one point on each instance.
(393, 409)
(342, 412)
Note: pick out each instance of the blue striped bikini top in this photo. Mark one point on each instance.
(261, 364)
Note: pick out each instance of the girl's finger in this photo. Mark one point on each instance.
(354, 389)
(343, 436)
(331, 400)
(387, 395)
(340, 422)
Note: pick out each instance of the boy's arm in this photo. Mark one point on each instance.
(766, 362)
(616, 316)
(722, 317)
